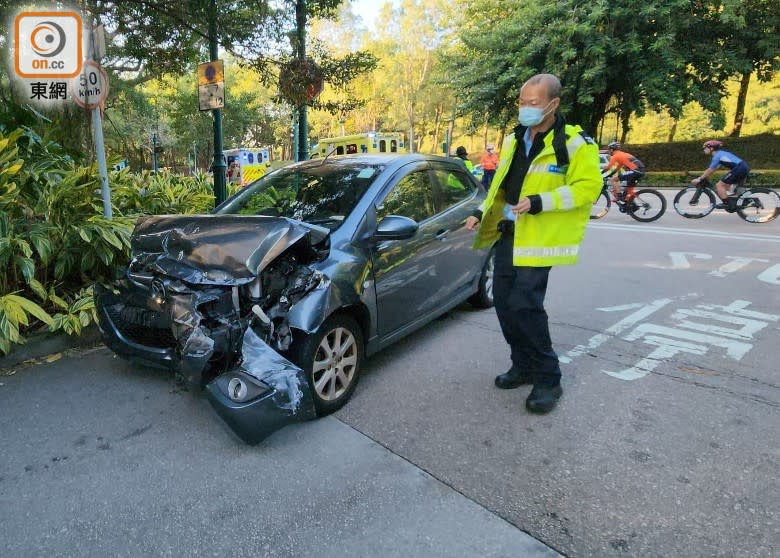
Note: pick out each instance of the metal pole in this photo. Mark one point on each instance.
(450, 129)
(105, 191)
(218, 166)
(296, 153)
(100, 148)
(154, 152)
(195, 156)
(303, 127)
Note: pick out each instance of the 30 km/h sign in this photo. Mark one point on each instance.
(90, 88)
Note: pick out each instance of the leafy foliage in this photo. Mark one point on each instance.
(54, 241)
(616, 56)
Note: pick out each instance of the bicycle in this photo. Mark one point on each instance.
(754, 204)
(644, 205)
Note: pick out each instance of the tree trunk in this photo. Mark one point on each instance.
(423, 133)
(436, 125)
(625, 126)
(739, 116)
(500, 140)
(484, 136)
(672, 131)
(450, 135)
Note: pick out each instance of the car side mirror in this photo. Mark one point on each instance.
(396, 227)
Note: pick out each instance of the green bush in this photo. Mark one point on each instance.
(761, 152)
(161, 193)
(677, 179)
(54, 241)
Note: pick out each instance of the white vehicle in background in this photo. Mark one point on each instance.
(370, 142)
(246, 164)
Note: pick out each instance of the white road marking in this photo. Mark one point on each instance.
(651, 229)
(771, 275)
(644, 310)
(680, 260)
(694, 332)
(736, 264)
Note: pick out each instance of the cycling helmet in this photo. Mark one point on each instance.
(461, 151)
(613, 145)
(713, 144)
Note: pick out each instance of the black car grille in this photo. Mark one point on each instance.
(137, 325)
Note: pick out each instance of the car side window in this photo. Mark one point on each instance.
(412, 197)
(454, 187)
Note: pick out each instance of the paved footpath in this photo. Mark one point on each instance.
(100, 458)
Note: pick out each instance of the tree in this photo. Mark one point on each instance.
(409, 39)
(611, 56)
(153, 39)
(755, 43)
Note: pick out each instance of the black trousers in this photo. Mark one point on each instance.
(518, 293)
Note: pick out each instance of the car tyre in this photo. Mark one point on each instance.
(483, 298)
(331, 358)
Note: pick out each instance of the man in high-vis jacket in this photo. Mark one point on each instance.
(535, 213)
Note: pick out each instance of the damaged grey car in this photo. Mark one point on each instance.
(272, 302)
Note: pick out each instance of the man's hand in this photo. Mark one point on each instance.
(696, 180)
(522, 206)
(472, 223)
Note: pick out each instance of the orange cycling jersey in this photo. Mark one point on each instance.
(489, 161)
(621, 159)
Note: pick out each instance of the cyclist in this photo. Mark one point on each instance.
(738, 170)
(620, 160)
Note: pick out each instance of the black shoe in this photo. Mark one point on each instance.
(543, 399)
(510, 380)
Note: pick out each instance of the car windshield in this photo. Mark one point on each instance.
(322, 194)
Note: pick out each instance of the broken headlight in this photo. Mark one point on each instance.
(240, 387)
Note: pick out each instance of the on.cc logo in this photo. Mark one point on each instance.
(48, 44)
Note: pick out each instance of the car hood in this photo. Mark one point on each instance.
(216, 249)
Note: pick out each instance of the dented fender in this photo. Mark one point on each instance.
(340, 291)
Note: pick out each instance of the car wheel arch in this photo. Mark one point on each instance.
(305, 348)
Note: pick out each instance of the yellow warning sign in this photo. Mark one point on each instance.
(211, 72)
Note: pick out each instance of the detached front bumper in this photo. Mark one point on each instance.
(265, 394)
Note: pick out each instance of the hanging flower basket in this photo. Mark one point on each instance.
(300, 81)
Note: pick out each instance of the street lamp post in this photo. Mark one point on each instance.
(154, 152)
(218, 166)
(303, 127)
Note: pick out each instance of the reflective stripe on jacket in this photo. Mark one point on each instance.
(552, 236)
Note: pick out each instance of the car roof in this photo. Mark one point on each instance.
(383, 159)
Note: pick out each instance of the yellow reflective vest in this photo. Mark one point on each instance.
(552, 236)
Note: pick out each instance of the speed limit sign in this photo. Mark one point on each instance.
(90, 88)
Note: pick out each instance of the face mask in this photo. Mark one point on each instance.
(531, 116)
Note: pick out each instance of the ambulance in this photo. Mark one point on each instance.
(371, 142)
(246, 164)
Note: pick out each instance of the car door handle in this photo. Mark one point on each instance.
(442, 234)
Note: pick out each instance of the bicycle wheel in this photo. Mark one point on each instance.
(694, 203)
(647, 205)
(758, 205)
(600, 206)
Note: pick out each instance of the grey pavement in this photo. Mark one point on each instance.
(102, 458)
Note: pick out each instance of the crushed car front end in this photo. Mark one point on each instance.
(207, 297)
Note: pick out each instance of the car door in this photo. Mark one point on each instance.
(455, 198)
(405, 271)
